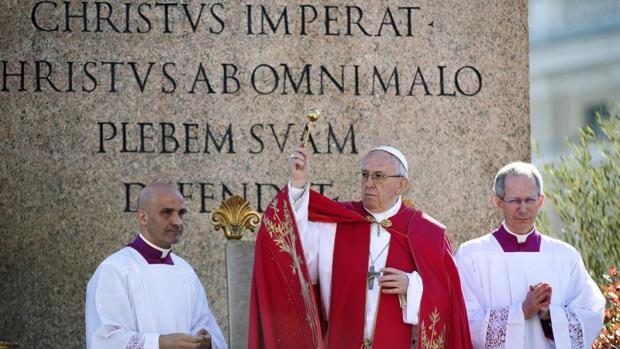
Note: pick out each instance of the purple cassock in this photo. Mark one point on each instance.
(510, 243)
(149, 253)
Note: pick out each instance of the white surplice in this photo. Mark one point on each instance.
(129, 303)
(495, 284)
(318, 242)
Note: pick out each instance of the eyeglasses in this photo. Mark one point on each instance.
(376, 177)
(517, 201)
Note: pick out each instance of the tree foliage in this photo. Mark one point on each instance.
(584, 188)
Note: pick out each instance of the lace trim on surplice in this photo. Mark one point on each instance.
(496, 331)
(575, 332)
(135, 342)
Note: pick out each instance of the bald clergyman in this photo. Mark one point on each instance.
(378, 267)
(146, 297)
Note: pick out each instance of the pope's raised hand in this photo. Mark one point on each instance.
(299, 167)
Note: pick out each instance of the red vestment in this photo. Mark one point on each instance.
(418, 243)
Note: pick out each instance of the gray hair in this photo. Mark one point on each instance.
(402, 171)
(516, 168)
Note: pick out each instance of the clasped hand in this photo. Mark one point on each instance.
(537, 301)
(185, 341)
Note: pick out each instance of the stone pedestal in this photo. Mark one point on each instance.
(99, 97)
(239, 262)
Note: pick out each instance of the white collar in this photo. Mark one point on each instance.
(379, 217)
(520, 238)
(164, 251)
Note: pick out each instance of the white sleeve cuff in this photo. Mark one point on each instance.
(151, 341)
(295, 193)
(561, 326)
(515, 315)
(411, 313)
(515, 326)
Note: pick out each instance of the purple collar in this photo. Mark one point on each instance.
(150, 254)
(509, 242)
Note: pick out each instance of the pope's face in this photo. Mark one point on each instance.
(380, 195)
(162, 218)
(520, 204)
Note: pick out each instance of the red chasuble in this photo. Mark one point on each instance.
(418, 243)
(283, 309)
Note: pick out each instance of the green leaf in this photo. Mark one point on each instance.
(584, 189)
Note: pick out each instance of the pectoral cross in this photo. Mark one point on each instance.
(367, 344)
(372, 275)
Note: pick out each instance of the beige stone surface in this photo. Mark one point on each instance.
(63, 200)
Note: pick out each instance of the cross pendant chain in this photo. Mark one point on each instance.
(367, 344)
(386, 223)
(372, 275)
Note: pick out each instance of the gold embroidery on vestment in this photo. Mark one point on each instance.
(386, 223)
(282, 232)
(433, 338)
